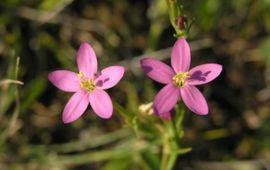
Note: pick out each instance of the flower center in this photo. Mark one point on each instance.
(88, 85)
(180, 79)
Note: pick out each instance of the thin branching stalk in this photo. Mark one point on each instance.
(10, 81)
(10, 128)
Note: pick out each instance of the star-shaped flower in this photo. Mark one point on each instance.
(88, 85)
(180, 80)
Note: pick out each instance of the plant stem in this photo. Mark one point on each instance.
(10, 128)
(168, 154)
(165, 156)
(171, 161)
(171, 145)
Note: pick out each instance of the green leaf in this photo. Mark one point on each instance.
(118, 164)
(182, 151)
(150, 159)
(126, 114)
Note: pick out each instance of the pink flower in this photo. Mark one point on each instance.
(180, 80)
(88, 85)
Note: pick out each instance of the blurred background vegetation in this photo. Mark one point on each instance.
(45, 35)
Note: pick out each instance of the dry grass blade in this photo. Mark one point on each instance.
(12, 123)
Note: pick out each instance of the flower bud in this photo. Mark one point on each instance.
(182, 22)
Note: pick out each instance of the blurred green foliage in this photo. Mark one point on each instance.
(45, 34)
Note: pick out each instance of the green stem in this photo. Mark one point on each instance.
(169, 153)
(175, 130)
(172, 160)
(165, 158)
(171, 145)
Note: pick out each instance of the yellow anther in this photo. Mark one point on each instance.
(80, 75)
(180, 78)
(88, 85)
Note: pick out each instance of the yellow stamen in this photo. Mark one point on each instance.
(180, 79)
(88, 85)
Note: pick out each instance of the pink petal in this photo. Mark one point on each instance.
(87, 60)
(166, 115)
(75, 107)
(166, 99)
(101, 103)
(157, 70)
(65, 80)
(180, 57)
(109, 77)
(194, 100)
(204, 73)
